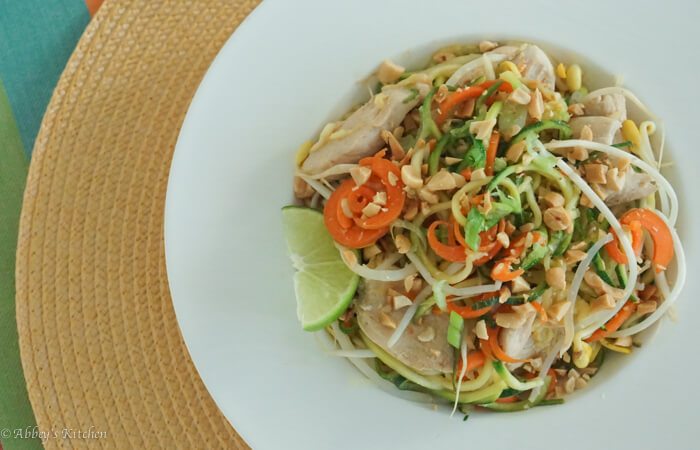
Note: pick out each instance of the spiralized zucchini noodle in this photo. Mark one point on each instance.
(510, 227)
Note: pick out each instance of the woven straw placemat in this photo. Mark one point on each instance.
(101, 348)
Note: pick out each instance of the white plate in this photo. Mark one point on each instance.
(291, 67)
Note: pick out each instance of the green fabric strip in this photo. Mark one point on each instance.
(36, 39)
(15, 410)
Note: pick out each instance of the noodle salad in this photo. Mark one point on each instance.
(495, 229)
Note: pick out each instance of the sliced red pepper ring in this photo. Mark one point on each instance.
(353, 236)
(360, 197)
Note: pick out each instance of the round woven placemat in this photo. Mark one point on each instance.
(101, 348)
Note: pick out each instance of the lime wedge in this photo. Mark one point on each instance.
(323, 284)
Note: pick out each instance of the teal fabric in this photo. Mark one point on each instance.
(15, 410)
(36, 39)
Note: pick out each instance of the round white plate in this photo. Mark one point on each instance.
(291, 67)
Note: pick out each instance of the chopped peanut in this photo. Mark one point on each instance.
(576, 109)
(408, 282)
(515, 151)
(577, 154)
(558, 310)
(510, 320)
(503, 294)
(393, 179)
(441, 181)
(410, 178)
(553, 199)
(615, 180)
(403, 244)
(595, 173)
(536, 106)
(371, 210)
(557, 218)
(360, 174)
(410, 210)
(605, 301)
(478, 174)
(482, 128)
(601, 287)
(570, 385)
(556, 277)
(389, 72)
(520, 96)
(599, 192)
(623, 164)
(401, 301)
(574, 256)
(503, 239)
(386, 320)
(459, 179)
(585, 201)
(519, 285)
(647, 307)
(526, 308)
(379, 198)
(480, 330)
(429, 196)
(371, 251)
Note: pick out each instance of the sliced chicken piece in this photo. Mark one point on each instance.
(608, 105)
(518, 342)
(637, 186)
(429, 358)
(359, 135)
(534, 64)
(475, 68)
(603, 128)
